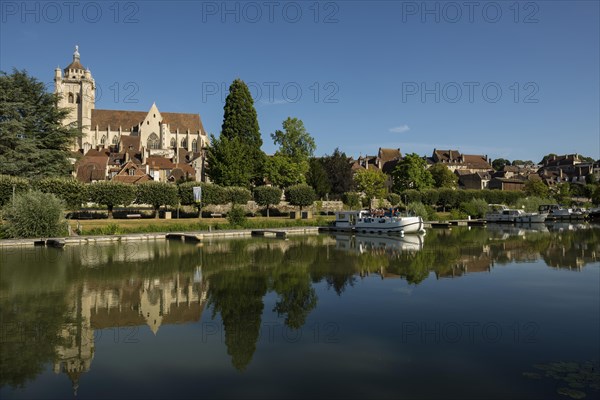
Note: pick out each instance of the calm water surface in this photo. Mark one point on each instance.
(497, 312)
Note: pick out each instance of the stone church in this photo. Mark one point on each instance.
(131, 146)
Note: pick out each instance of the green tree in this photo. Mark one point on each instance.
(110, 194)
(228, 163)
(394, 199)
(410, 173)
(447, 198)
(69, 190)
(317, 177)
(300, 195)
(240, 128)
(33, 140)
(211, 194)
(475, 207)
(499, 163)
(442, 176)
(339, 171)
(596, 196)
(294, 141)
(7, 184)
(352, 200)
(238, 195)
(371, 182)
(283, 171)
(34, 214)
(267, 196)
(156, 194)
(536, 188)
(563, 193)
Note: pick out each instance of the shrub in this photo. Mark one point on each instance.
(430, 196)
(411, 196)
(448, 198)
(157, 194)
(352, 200)
(418, 209)
(394, 199)
(34, 214)
(110, 194)
(301, 195)
(238, 195)
(475, 207)
(236, 216)
(457, 214)
(69, 190)
(267, 196)
(21, 185)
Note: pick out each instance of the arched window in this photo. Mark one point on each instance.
(173, 143)
(195, 146)
(103, 139)
(153, 142)
(115, 140)
(71, 98)
(184, 143)
(78, 99)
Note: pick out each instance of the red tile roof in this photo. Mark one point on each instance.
(126, 120)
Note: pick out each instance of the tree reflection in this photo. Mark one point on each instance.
(170, 282)
(237, 295)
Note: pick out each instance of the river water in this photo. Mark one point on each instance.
(496, 312)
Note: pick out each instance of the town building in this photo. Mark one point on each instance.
(113, 138)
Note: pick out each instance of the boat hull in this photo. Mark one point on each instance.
(531, 218)
(397, 225)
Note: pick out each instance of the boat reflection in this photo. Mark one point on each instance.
(381, 244)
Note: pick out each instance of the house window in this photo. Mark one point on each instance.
(131, 172)
(173, 143)
(194, 145)
(153, 142)
(184, 143)
(71, 98)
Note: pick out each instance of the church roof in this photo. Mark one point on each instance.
(75, 65)
(128, 119)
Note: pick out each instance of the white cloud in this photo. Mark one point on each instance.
(400, 129)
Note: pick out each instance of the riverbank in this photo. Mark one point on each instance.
(189, 235)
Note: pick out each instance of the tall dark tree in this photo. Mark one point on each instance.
(339, 171)
(236, 158)
(33, 140)
(317, 177)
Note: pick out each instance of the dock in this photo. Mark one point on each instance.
(192, 237)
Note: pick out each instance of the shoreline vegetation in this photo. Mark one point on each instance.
(118, 227)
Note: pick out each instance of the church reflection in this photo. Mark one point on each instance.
(87, 289)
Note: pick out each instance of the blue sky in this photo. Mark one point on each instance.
(508, 79)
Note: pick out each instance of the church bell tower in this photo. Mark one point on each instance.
(78, 94)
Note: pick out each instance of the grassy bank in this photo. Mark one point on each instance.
(117, 226)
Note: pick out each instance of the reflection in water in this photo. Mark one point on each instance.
(52, 302)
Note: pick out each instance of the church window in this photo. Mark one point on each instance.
(78, 100)
(184, 143)
(71, 98)
(103, 140)
(115, 140)
(173, 143)
(153, 141)
(147, 122)
(194, 145)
